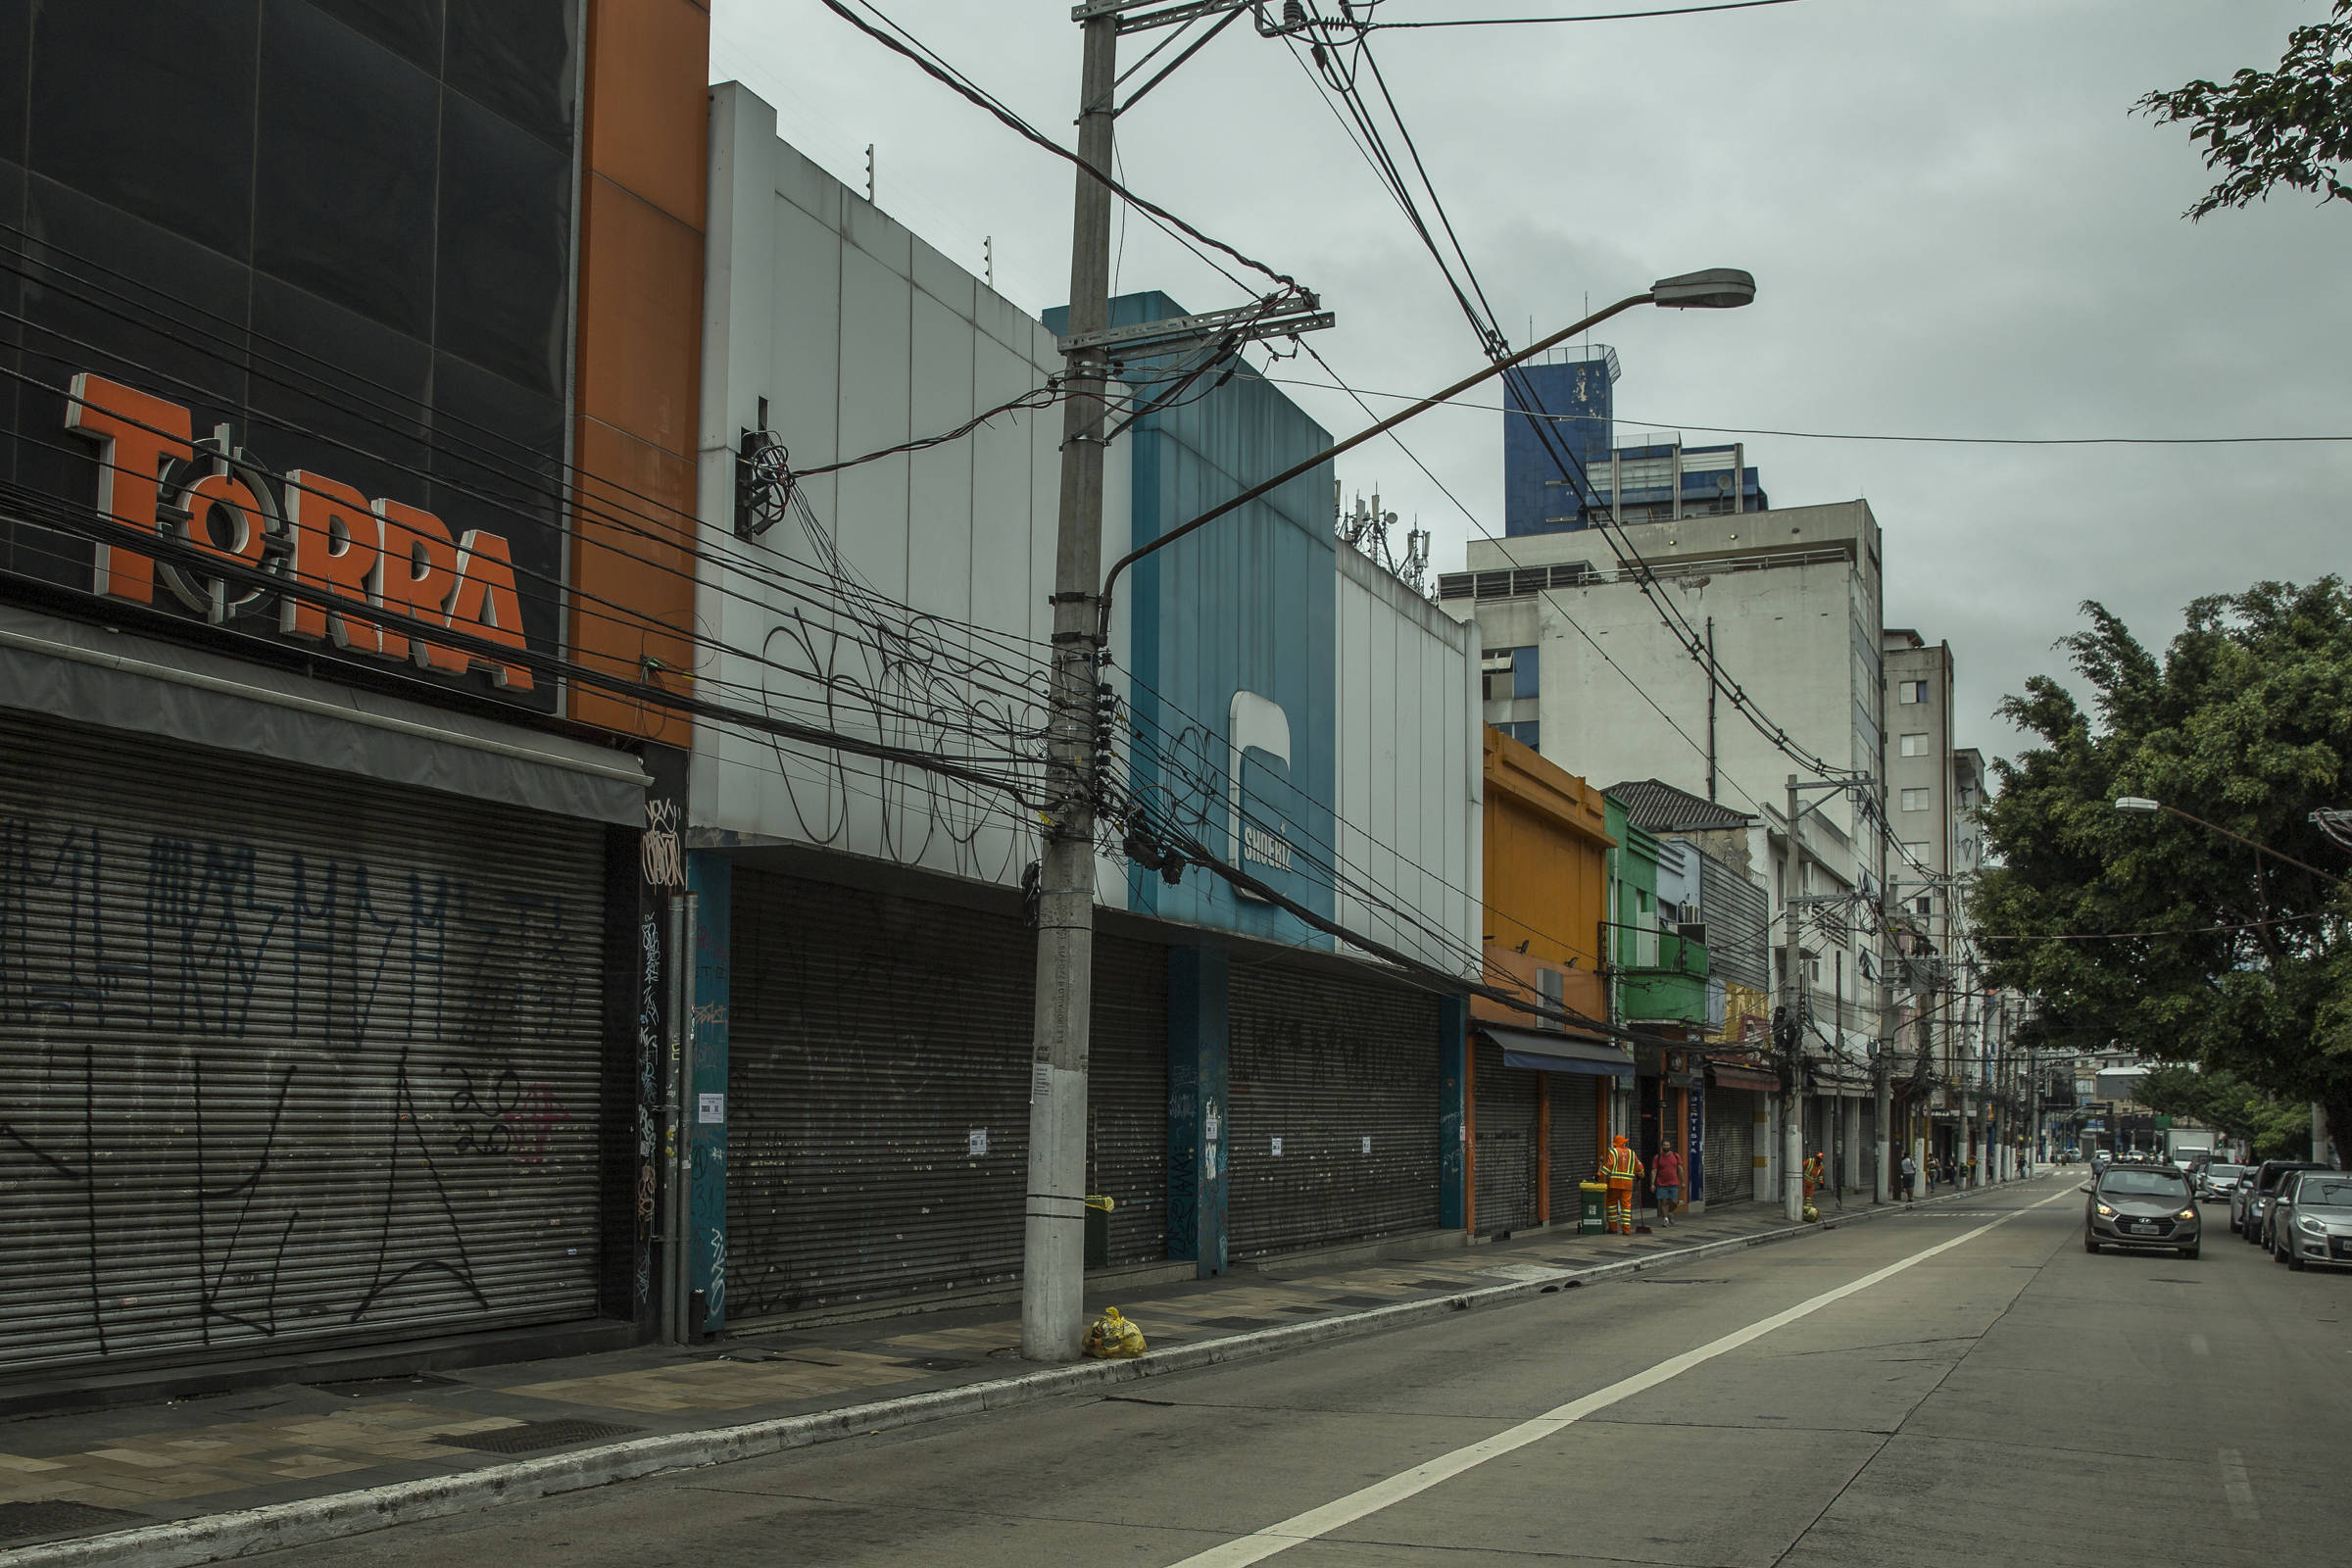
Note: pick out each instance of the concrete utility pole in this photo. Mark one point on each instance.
(1793, 1131)
(1053, 1232)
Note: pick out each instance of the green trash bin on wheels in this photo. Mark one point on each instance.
(1592, 1217)
(1097, 1230)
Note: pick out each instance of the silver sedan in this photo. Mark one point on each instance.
(2134, 1205)
(2310, 1219)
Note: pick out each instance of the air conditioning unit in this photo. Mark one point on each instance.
(1691, 931)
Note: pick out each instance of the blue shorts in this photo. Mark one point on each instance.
(1670, 1195)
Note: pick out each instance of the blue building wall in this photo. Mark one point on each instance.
(1246, 605)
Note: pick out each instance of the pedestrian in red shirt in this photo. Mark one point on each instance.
(1666, 1175)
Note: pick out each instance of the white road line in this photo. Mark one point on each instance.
(2240, 1489)
(1342, 1512)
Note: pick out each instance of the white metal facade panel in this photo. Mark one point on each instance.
(859, 336)
(1406, 769)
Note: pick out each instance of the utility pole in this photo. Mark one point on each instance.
(1792, 1132)
(1053, 1230)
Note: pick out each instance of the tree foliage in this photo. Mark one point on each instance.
(2227, 1104)
(2262, 130)
(2247, 722)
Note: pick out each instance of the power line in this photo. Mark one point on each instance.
(933, 66)
(1541, 22)
(1834, 435)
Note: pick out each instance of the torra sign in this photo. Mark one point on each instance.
(371, 560)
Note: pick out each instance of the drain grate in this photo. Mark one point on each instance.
(44, 1521)
(532, 1436)
(364, 1388)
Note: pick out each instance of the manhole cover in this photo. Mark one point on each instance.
(533, 1436)
(364, 1388)
(44, 1521)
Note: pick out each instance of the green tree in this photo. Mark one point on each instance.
(2262, 130)
(2209, 950)
(2227, 1104)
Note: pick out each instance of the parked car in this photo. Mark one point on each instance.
(2253, 1194)
(2217, 1181)
(2140, 1206)
(2310, 1219)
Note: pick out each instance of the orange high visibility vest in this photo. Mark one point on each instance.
(1620, 1164)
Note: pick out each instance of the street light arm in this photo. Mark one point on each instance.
(1308, 465)
(2259, 849)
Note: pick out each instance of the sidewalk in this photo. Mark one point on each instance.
(287, 1459)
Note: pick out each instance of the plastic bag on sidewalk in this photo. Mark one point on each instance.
(1113, 1337)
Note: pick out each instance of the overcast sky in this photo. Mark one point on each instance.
(1956, 226)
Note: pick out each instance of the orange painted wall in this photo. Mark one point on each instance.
(1546, 880)
(638, 370)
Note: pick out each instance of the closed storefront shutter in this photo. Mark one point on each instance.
(1730, 1145)
(1127, 1096)
(286, 1056)
(1575, 1140)
(1506, 1142)
(1343, 1072)
(878, 1096)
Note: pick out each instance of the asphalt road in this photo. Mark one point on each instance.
(1944, 1387)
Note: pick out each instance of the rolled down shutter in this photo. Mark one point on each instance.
(1575, 1140)
(875, 1041)
(1127, 1096)
(1344, 1072)
(286, 1056)
(1730, 1145)
(1506, 1142)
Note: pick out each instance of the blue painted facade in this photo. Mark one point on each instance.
(711, 879)
(1577, 401)
(1233, 638)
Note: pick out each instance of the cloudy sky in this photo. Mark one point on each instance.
(1957, 227)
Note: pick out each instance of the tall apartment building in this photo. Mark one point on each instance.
(1933, 788)
(1580, 663)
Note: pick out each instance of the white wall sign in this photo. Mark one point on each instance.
(1278, 1146)
(710, 1107)
(1367, 1144)
(976, 1142)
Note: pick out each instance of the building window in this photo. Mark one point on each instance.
(1927, 906)
(1527, 732)
(1910, 691)
(1915, 745)
(1508, 672)
(1915, 800)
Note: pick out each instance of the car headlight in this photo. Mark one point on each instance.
(2186, 1213)
(2304, 1222)
(2106, 1212)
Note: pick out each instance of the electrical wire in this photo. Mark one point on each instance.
(1593, 16)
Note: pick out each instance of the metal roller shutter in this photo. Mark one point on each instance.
(1325, 1063)
(1730, 1145)
(872, 1035)
(1575, 1140)
(285, 1056)
(1127, 1096)
(1506, 1142)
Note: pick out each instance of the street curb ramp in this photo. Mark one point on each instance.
(277, 1527)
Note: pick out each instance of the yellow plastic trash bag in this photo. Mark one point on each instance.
(1113, 1337)
(1812, 1214)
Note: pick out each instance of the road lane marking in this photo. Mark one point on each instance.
(2238, 1487)
(1344, 1511)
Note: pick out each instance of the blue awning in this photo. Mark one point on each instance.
(1547, 1052)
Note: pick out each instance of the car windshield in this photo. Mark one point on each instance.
(2144, 1184)
(2333, 1192)
(2225, 1170)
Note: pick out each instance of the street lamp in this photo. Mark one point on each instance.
(2140, 802)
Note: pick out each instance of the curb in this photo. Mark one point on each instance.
(275, 1526)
